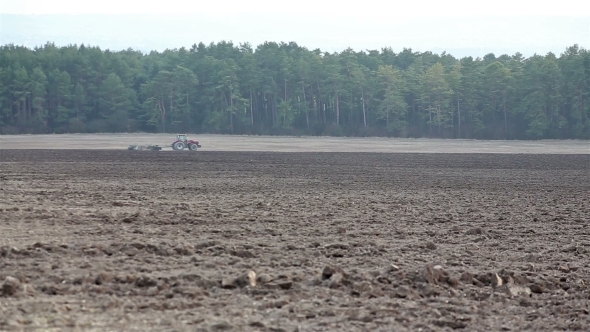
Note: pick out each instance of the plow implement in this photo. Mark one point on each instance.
(150, 147)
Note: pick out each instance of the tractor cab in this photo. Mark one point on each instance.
(181, 137)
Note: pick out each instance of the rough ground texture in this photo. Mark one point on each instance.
(113, 240)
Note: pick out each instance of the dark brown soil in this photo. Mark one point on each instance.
(108, 240)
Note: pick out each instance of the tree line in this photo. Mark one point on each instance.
(287, 89)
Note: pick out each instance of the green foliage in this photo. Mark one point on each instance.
(283, 88)
(392, 107)
(436, 97)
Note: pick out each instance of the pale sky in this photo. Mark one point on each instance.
(463, 27)
(365, 8)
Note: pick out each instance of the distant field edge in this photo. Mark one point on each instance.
(244, 143)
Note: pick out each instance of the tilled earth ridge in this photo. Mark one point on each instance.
(148, 241)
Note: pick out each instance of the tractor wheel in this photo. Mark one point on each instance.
(192, 147)
(179, 146)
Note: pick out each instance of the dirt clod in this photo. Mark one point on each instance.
(496, 281)
(103, 277)
(222, 326)
(405, 292)
(474, 231)
(263, 278)
(245, 279)
(257, 324)
(435, 274)
(286, 285)
(454, 324)
(329, 271)
(145, 281)
(537, 289)
(11, 286)
(393, 268)
(514, 290)
(466, 277)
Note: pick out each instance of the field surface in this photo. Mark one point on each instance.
(294, 144)
(118, 240)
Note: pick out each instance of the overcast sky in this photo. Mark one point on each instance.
(498, 26)
(366, 8)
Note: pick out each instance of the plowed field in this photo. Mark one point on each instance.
(117, 240)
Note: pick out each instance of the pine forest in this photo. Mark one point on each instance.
(286, 89)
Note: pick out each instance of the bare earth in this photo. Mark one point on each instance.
(118, 240)
(294, 144)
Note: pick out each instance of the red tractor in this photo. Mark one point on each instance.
(183, 142)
